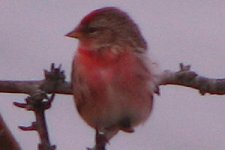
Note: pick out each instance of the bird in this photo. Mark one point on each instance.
(112, 76)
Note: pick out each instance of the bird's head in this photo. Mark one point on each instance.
(106, 27)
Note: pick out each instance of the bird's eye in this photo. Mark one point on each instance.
(92, 29)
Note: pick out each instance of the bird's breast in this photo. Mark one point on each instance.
(97, 68)
(113, 87)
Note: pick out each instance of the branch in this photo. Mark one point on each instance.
(186, 77)
(183, 77)
(7, 141)
(31, 87)
(39, 101)
(38, 104)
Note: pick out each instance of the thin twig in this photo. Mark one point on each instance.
(38, 102)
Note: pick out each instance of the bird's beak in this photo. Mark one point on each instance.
(74, 34)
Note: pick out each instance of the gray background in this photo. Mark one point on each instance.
(192, 32)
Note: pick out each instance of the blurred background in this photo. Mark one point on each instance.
(191, 32)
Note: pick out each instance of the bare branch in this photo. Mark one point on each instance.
(188, 78)
(28, 87)
(38, 104)
(7, 141)
(39, 101)
(183, 77)
(52, 78)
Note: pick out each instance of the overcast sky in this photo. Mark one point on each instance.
(192, 32)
